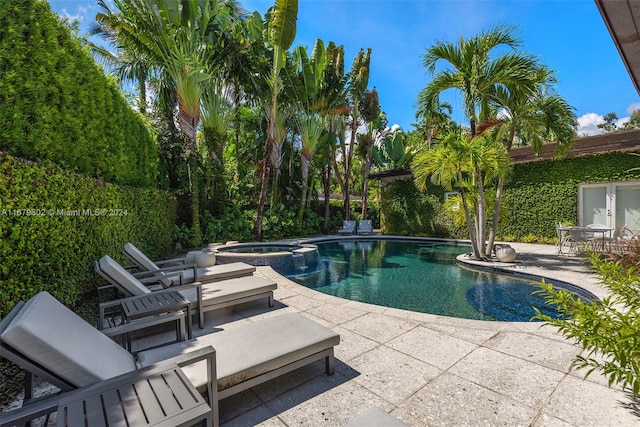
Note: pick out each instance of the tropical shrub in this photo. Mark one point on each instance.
(54, 224)
(608, 330)
(57, 104)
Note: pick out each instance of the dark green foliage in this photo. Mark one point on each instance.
(404, 210)
(280, 222)
(56, 104)
(54, 224)
(543, 193)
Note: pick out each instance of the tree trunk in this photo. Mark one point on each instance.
(470, 226)
(266, 169)
(499, 193)
(365, 184)
(304, 163)
(195, 199)
(326, 178)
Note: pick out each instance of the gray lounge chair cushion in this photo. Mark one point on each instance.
(121, 276)
(55, 337)
(139, 257)
(246, 351)
(229, 290)
(216, 273)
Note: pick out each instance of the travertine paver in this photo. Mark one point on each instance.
(433, 347)
(392, 374)
(587, 404)
(453, 401)
(538, 349)
(530, 383)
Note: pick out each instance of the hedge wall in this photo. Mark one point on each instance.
(54, 224)
(404, 210)
(538, 195)
(57, 104)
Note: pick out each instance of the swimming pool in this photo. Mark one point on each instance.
(422, 276)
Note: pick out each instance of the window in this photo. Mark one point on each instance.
(610, 204)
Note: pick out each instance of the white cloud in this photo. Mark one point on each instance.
(588, 124)
(71, 17)
(633, 107)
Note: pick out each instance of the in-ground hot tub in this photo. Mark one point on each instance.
(285, 258)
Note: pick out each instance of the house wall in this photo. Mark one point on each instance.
(537, 194)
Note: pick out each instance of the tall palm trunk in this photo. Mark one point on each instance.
(305, 162)
(326, 181)
(365, 185)
(266, 168)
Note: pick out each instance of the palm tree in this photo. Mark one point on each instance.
(471, 70)
(282, 31)
(358, 80)
(533, 118)
(433, 115)
(126, 65)
(465, 164)
(376, 122)
(172, 34)
(486, 81)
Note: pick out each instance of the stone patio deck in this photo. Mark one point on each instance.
(431, 370)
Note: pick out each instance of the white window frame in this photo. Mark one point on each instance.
(611, 188)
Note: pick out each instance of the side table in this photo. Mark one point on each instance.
(160, 396)
(157, 303)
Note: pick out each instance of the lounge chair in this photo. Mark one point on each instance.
(214, 295)
(348, 227)
(365, 226)
(196, 271)
(69, 353)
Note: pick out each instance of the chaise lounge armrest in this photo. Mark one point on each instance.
(30, 412)
(49, 405)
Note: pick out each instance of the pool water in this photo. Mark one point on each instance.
(421, 276)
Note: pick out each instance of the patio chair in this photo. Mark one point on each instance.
(365, 226)
(564, 239)
(69, 353)
(348, 227)
(207, 297)
(196, 271)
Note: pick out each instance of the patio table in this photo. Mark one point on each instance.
(580, 234)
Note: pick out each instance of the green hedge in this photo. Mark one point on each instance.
(537, 195)
(404, 210)
(57, 104)
(54, 224)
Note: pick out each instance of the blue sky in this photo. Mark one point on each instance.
(568, 36)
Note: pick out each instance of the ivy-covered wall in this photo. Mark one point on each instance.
(536, 196)
(57, 104)
(54, 224)
(542, 193)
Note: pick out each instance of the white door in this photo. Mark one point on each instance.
(610, 204)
